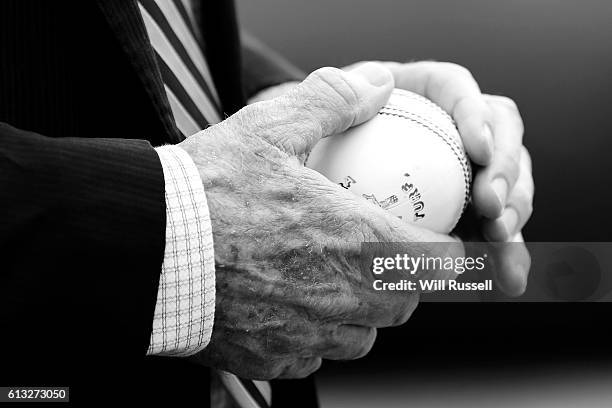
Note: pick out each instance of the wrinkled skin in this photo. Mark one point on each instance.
(289, 288)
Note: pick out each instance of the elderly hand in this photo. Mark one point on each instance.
(289, 287)
(492, 132)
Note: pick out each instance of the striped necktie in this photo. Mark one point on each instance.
(187, 80)
(176, 40)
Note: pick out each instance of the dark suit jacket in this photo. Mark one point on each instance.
(82, 211)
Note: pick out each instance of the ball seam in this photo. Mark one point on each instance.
(464, 167)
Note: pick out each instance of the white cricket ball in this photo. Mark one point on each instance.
(408, 159)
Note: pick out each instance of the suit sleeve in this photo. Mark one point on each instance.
(82, 228)
(262, 67)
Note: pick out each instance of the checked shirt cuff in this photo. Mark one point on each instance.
(185, 308)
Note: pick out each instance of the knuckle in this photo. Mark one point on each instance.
(526, 157)
(459, 70)
(509, 164)
(404, 313)
(335, 81)
(366, 345)
(507, 107)
(506, 111)
(316, 364)
(522, 194)
(334, 90)
(529, 211)
(525, 152)
(310, 367)
(350, 343)
(302, 368)
(269, 370)
(248, 119)
(509, 103)
(524, 199)
(470, 110)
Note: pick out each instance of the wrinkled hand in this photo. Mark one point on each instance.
(492, 131)
(289, 288)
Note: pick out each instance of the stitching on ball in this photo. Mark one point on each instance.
(452, 139)
(449, 139)
(462, 160)
(454, 147)
(415, 96)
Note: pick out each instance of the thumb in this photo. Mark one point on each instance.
(327, 102)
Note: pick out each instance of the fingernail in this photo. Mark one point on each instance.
(488, 137)
(374, 73)
(509, 219)
(500, 188)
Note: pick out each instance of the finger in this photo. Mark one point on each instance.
(526, 160)
(348, 342)
(386, 309)
(396, 237)
(519, 207)
(512, 264)
(327, 102)
(301, 368)
(453, 88)
(494, 182)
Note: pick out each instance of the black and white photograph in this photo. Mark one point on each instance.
(306, 203)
